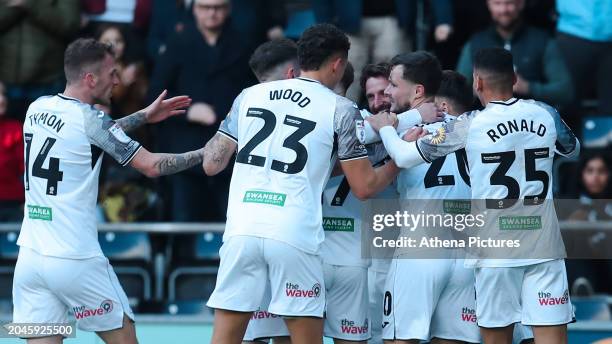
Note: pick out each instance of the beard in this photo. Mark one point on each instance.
(380, 108)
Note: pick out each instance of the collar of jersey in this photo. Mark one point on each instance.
(309, 80)
(65, 97)
(507, 102)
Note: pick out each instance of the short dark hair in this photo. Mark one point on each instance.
(498, 62)
(320, 42)
(81, 53)
(348, 77)
(454, 86)
(378, 70)
(271, 54)
(422, 68)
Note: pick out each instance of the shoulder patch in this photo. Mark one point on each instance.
(439, 136)
(119, 134)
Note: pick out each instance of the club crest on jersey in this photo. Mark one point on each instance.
(439, 136)
(119, 134)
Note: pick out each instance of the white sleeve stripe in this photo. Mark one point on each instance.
(227, 135)
(129, 159)
(355, 158)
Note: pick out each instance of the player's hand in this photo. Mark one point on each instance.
(382, 119)
(414, 134)
(202, 113)
(162, 108)
(522, 86)
(430, 113)
(442, 32)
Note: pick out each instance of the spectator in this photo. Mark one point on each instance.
(593, 205)
(11, 165)
(541, 71)
(129, 95)
(167, 18)
(259, 20)
(374, 28)
(209, 61)
(33, 37)
(584, 32)
(595, 189)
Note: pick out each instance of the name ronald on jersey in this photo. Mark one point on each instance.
(509, 127)
(43, 118)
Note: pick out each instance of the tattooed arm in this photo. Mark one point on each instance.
(160, 164)
(217, 153)
(133, 121)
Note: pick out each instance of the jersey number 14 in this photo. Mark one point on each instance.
(52, 174)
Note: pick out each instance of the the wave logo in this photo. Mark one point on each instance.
(468, 314)
(546, 299)
(81, 312)
(349, 326)
(294, 290)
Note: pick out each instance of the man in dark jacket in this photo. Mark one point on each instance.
(33, 37)
(209, 61)
(541, 70)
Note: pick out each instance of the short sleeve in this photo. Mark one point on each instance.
(229, 126)
(567, 144)
(106, 134)
(450, 137)
(345, 118)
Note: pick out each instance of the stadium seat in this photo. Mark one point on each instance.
(8, 245)
(592, 308)
(597, 131)
(186, 308)
(8, 256)
(195, 279)
(130, 254)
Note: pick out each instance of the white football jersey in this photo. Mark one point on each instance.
(510, 148)
(64, 141)
(445, 178)
(288, 133)
(342, 213)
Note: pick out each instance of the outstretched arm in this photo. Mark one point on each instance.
(157, 111)
(160, 164)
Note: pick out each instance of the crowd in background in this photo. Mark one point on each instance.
(562, 52)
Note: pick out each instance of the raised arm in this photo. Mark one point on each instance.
(160, 164)
(157, 111)
(447, 139)
(425, 113)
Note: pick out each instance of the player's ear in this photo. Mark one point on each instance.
(419, 91)
(290, 73)
(90, 80)
(514, 79)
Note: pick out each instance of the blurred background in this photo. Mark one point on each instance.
(162, 236)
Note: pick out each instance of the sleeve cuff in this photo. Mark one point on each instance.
(229, 136)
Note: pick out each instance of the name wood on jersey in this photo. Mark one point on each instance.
(289, 94)
(43, 118)
(509, 127)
